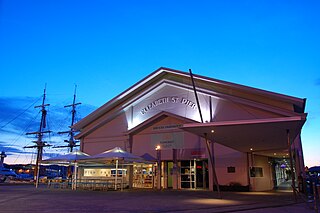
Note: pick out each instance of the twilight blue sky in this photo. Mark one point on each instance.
(106, 46)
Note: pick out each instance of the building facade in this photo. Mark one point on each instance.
(240, 136)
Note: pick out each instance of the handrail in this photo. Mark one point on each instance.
(89, 183)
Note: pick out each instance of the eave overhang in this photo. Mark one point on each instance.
(257, 135)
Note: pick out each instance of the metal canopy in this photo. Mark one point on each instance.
(259, 135)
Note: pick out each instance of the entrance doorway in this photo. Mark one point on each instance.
(202, 174)
(188, 174)
(281, 173)
(194, 174)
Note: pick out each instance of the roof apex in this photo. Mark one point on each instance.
(162, 71)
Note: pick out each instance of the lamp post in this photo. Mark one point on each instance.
(158, 150)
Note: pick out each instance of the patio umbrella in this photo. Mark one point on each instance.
(72, 157)
(68, 158)
(116, 154)
(148, 157)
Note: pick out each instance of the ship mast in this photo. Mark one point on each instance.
(71, 142)
(39, 142)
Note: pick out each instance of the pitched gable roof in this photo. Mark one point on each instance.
(283, 103)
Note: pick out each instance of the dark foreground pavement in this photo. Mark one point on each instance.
(26, 198)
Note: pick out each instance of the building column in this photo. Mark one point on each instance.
(291, 167)
(175, 169)
(165, 175)
(251, 168)
(130, 168)
(248, 171)
(215, 177)
(213, 180)
(158, 167)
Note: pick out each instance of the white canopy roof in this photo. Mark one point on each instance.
(70, 157)
(116, 154)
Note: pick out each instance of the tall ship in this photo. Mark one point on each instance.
(40, 143)
(71, 132)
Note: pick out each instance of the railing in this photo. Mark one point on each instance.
(88, 184)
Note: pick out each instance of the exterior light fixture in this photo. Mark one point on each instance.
(212, 131)
(274, 153)
(158, 147)
(251, 149)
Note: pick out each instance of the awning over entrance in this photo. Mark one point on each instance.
(265, 136)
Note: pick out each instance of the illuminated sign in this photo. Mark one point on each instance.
(165, 100)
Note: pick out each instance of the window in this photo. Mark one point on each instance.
(256, 172)
(231, 169)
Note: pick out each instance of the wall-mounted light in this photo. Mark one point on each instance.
(251, 149)
(212, 131)
(158, 147)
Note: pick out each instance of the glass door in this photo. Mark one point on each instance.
(188, 174)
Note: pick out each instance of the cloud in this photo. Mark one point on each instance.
(17, 113)
(8, 149)
(18, 116)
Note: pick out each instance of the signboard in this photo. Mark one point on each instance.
(163, 100)
(171, 99)
(174, 140)
(165, 127)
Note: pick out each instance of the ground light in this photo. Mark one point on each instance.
(268, 193)
(212, 201)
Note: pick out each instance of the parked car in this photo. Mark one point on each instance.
(7, 174)
(23, 176)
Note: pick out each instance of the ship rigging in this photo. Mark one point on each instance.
(39, 143)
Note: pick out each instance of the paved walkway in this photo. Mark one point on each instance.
(26, 198)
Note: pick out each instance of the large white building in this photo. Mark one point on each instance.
(252, 135)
